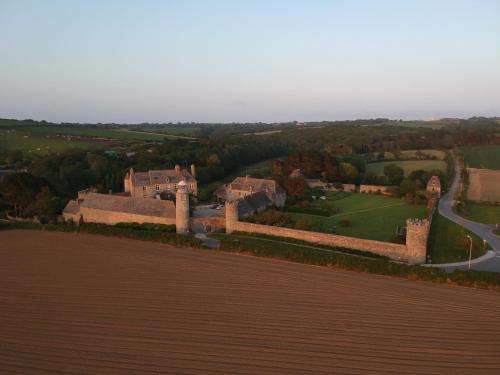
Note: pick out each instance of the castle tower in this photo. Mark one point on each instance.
(127, 182)
(231, 215)
(417, 234)
(182, 208)
(193, 170)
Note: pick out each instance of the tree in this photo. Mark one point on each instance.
(394, 174)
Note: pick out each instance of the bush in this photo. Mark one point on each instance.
(109, 230)
(148, 226)
(345, 222)
(339, 257)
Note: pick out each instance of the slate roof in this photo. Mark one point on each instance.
(256, 184)
(161, 176)
(253, 203)
(131, 205)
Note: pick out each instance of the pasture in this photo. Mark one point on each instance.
(408, 165)
(40, 139)
(369, 216)
(487, 157)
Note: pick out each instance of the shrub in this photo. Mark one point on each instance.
(345, 222)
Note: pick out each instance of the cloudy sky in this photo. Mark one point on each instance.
(269, 60)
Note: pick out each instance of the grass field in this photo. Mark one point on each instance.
(371, 216)
(408, 165)
(482, 156)
(448, 242)
(483, 213)
(41, 139)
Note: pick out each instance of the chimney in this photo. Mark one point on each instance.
(193, 170)
(177, 168)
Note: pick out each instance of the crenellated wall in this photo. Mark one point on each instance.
(413, 252)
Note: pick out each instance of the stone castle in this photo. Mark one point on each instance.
(246, 197)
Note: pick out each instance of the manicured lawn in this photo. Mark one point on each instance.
(370, 216)
(482, 156)
(408, 165)
(448, 242)
(483, 213)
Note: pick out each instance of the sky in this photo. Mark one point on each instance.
(245, 61)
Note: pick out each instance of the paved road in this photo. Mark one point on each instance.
(484, 231)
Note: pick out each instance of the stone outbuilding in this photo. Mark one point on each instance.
(242, 187)
(434, 186)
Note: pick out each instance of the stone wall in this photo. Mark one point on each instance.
(92, 215)
(391, 250)
(374, 189)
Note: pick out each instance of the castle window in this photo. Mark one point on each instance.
(191, 186)
(144, 188)
(157, 187)
(175, 186)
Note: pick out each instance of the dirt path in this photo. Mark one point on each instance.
(83, 304)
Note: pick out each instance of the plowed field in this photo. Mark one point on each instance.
(83, 304)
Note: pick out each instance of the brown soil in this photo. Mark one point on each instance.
(83, 304)
(484, 185)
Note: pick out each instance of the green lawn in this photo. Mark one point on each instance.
(408, 165)
(448, 242)
(481, 212)
(371, 216)
(482, 156)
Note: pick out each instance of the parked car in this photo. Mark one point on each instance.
(214, 206)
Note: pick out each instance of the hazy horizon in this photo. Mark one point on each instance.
(272, 61)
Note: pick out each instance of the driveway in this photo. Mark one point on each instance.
(484, 231)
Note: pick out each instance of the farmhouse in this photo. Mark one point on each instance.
(152, 183)
(245, 186)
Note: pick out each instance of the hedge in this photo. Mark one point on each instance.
(253, 245)
(235, 243)
(136, 232)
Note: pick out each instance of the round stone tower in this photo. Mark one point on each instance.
(182, 208)
(417, 233)
(231, 215)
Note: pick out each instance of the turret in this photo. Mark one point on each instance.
(231, 215)
(417, 234)
(182, 208)
(127, 182)
(177, 168)
(193, 170)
